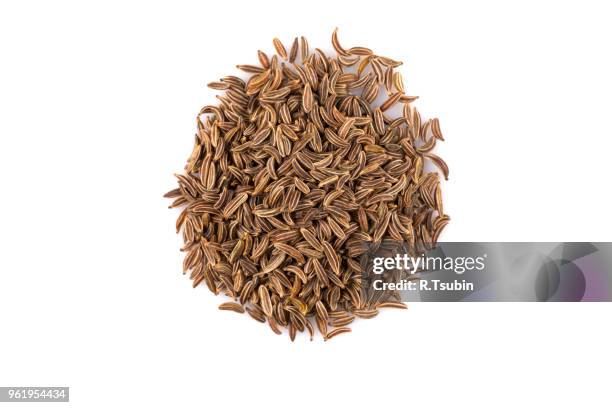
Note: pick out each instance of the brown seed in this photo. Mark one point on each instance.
(332, 257)
(398, 82)
(336, 332)
(233, 205)
(379, 122)
(395, 305)
(365, 314)
(321, 325)
(307, 99)
(360, 51)
(343, 321)
(234, 307)
(336, 44)
(393, 99)
(280, 48)
(256, 314)
(291, 251)
(441, 164)
(435, 128)
(303, 187)
(321, 310)
(311, 239)
(337, 314)
(294, 50)
(266, 212)
(273, 325)
(304, 48)
(263, 59)
(274, 263)
(252, 69)
(264, 301)
(220, 86)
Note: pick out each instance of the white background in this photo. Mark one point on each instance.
(97, 110)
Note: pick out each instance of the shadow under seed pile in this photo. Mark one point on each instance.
(295, 174)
